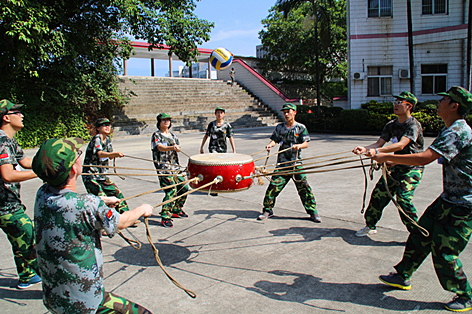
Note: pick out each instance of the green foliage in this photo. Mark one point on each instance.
(354, 120)
(384, 108)
(61, 57)
(289, 41)
(333, 89)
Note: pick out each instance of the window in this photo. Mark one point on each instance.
(379, 81)
(379, 8)
(434, 7)
(433, 78)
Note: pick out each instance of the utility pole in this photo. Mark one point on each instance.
(410, 48)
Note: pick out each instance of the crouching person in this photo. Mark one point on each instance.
(67, 227)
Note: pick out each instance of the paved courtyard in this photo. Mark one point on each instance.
(236, 264)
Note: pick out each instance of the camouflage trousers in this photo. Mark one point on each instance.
(177, 205)
(278, 183)
(112, 303)
(106, 188)
(450, 228)
(19, 230)
(402, 184)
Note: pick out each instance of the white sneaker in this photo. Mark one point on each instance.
(365, 232)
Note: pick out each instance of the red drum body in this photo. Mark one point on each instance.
(235, 170)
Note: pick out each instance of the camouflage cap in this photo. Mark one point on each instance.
(163, 116)
(408, 97)
(220, 108)
(288, 106)
(460, 95)
(101, 121)
(6, 105)
(55, 158)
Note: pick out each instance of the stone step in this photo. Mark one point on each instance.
(190, 102)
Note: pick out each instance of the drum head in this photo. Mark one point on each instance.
(219, 159)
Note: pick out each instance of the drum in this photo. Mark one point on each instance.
(235, 171)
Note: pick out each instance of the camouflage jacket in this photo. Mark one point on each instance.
(67, 228)
(286, 137)
(410, 129)
(10, 153)
(454, 144)
(91, 158)
(162, 160)
(218, 136)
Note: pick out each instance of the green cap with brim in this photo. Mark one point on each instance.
(101, 121)
(408, 97)
(220, 108)
(6, 105)
(461, 96)
(288, 106)
(55, 158)
(163, 116)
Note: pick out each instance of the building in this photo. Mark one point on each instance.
(378, 48)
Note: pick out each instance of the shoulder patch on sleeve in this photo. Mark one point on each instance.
(109, 214)
(4, 156)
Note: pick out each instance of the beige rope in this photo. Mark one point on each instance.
(309, 158)
(280, 151)
(158, 260)
(216, 180)
(117, 167)
(154, 161)
(159, 189)
(422, 230)
(128, 174)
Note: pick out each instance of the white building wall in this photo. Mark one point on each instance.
(383, 41)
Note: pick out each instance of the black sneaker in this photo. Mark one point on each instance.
(459, 304)
(167, 222)
(181, 214)
(395, 280)
(315, 217)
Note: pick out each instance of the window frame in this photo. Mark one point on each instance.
(433, 8)
(379, 9)
(379, 77)
(434, 76)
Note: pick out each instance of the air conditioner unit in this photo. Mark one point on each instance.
(404, 74)
(358, 75)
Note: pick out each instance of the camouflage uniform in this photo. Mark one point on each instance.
(13, 219)
(218, 136)
(69, 251)
(100, 184)
(402, 180)
(449, 218)
(297, 134)
(168, 160)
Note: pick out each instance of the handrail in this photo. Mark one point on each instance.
(265, 81)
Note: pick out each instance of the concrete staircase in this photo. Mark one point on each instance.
(190, 102)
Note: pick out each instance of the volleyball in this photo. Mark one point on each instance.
(221, 58)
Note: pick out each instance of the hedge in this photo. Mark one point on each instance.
(368, 120)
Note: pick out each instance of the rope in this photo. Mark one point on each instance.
(135, 244)
(158, 260)
(283, 173)
(308, 158)
(366, 183)
(159, 189)
(258, 152)
(114, 169)
(154, 161)
(131, 174)
(280, 151)
(422, 230)
(216, 180)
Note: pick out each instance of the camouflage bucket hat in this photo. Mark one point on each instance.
(460, 95)
(101, 121)
(220, 108)
(55, 158)
(288, 106)
(6, 105)
(163, 116)
(408, 97)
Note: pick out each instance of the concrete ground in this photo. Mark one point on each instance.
(236, 264)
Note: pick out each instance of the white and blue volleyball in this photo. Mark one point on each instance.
(221, 58)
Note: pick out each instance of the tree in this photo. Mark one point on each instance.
(60, 57)
(292, 45)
